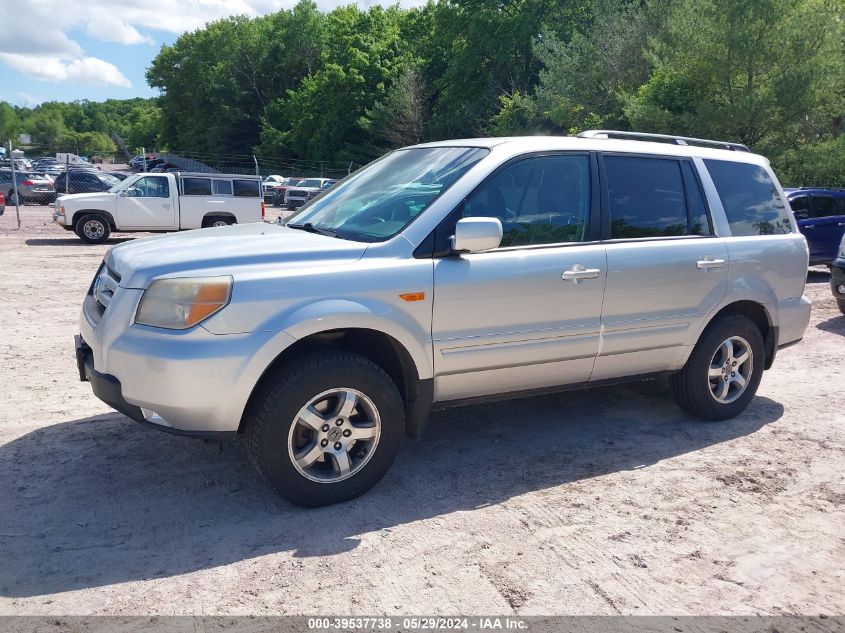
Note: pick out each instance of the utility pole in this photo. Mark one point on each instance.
(15, 185)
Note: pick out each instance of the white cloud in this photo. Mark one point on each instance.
(36, 37)
(82, 70)
(111, 29)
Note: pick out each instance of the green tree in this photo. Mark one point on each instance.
(756, 71)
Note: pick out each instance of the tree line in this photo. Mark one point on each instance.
(350, 84)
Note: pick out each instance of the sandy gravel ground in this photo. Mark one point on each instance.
(597, 502)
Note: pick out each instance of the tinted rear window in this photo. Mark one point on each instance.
(246, 188)
(196, 186)
(648, 198)
(751, 201)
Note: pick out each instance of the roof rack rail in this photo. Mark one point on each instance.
(676, 140)
(823, 188)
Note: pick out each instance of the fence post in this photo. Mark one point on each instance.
(349, 169)
(15, 185)
(257, 173)
(67, 174)
(144, 156)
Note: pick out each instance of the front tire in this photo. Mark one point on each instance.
(325, 428)
(93, 229)
(724, 370)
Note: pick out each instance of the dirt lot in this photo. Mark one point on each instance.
(596, 502)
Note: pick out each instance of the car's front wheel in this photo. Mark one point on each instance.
(325, 428)
(93, 229)
(724, 370)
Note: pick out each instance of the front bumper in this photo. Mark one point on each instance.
(108, 389)
(837, 278)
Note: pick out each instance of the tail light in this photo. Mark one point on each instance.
(27, 183)
(263, 210)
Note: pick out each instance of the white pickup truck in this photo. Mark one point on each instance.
(162, 202)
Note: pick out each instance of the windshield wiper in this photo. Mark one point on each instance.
(307, 226)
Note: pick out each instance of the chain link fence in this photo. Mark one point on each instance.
(41, 177)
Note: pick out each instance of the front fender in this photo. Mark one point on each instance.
(335, 314)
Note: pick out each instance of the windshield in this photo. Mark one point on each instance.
(383, 198)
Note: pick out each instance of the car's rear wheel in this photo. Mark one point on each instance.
(93, 229)
(841, 304)
(724, 370)
(11, 197)
(218, 221)
(325, 428)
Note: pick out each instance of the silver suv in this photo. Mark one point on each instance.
(445, 273)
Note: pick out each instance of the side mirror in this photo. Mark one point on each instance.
(474, 235)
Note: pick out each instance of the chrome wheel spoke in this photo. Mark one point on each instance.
(724, 387)
(739, 379)
(346, 404)
(727, 349)
(363, 432)
(309, 455)
(341, 463)
(740, 360)
(311, 418)
(715, 372)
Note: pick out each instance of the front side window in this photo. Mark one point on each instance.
(750, 198)
(540, 200)
(380, 200)
(149, 187)
(246, 189)
(196, 186)
(648, 197)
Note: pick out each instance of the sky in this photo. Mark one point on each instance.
(63, 50)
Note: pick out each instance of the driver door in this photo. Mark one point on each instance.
(148, 203)
(526, 315)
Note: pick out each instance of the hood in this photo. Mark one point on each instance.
(222, 250)
(97, 196)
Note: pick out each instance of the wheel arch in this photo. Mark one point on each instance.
(207, 216)
(760, 314)
(83, 212)
(378, 346)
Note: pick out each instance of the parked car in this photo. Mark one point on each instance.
(820, 213)
(309, 188)
(278, 191)
(268, 183)
(162, 202)
(447, 273)
(31, 188)
(84, 181)
(837, 276)
(2, 204)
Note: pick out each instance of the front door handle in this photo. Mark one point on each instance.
(841, 224)
(579, 272)
(809, 226)
(708, 262)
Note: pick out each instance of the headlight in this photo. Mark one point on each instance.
(177, 304)
(842, 247)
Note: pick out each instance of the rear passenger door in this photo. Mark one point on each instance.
(824, 227)
(666, 271)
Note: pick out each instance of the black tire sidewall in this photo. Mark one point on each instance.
(87, 218)
(841, 304)
(699, 400)
(336, 370)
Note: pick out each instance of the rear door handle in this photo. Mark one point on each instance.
(578, 272)
(708, 262)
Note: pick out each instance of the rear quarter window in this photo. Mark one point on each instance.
(196, 187)
(750, 198)
(246, 188)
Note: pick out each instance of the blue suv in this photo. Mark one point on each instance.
(820, 214)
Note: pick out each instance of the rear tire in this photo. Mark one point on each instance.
(93, 229)
(724, 370)
(841, 304)
(217, 221)
(313, 450)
